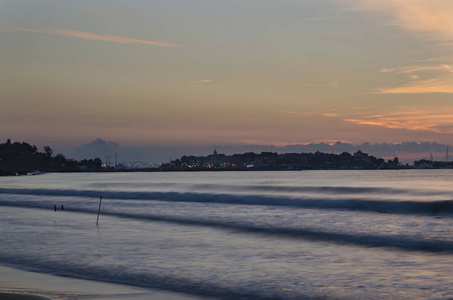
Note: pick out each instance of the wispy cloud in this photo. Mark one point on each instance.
(420, 118)
(424, 78)
(430, 21)
(94, 37)
(268, 142)
(330, 142)
(412, 69)
(448, 67)
(421, 87)
(331, 115)
(435, 59)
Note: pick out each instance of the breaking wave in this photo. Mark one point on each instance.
(400, 241)
(382, 206)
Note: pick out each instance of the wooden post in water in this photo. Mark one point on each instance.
(99, 210)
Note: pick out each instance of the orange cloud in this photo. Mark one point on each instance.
(331, 115)
(330, 142)
(432, 19)
(413, 69)
(424, 79)
(94, 37)
(387, 70)
(421, 87)
(427, 20)
(418, 119)
(449, 68)
(436, 78)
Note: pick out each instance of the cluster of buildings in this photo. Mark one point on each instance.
(130, 165)
(432, 164)
(287, 161)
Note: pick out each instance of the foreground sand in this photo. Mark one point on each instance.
(23, 285)
(8, 296)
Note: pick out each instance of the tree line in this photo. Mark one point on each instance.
(22, 158)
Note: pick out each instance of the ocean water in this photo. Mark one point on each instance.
(238, 235)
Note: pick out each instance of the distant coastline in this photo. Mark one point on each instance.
(24, 159)
(268, 161)
(272, 161)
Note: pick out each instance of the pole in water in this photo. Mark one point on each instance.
(99, 210)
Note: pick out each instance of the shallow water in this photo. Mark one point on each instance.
(239, 235)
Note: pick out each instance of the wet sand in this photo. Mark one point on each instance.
(8, 296)
(18, 284)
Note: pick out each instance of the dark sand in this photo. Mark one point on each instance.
(18, 284)
(7, 296)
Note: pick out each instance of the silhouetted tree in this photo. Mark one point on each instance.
(23, 158)
(60, 160)
(48, 151)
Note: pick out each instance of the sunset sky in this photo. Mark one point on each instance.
(217, 72)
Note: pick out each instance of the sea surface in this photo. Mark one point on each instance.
(238, 235)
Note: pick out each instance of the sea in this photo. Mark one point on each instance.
(353, 234)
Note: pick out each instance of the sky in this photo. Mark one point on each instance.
(198, 73)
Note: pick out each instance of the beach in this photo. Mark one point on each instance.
(18, 284)
(8, 296)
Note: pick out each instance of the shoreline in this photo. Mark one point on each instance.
(156, 170)
(20, 296)
(19, 284)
